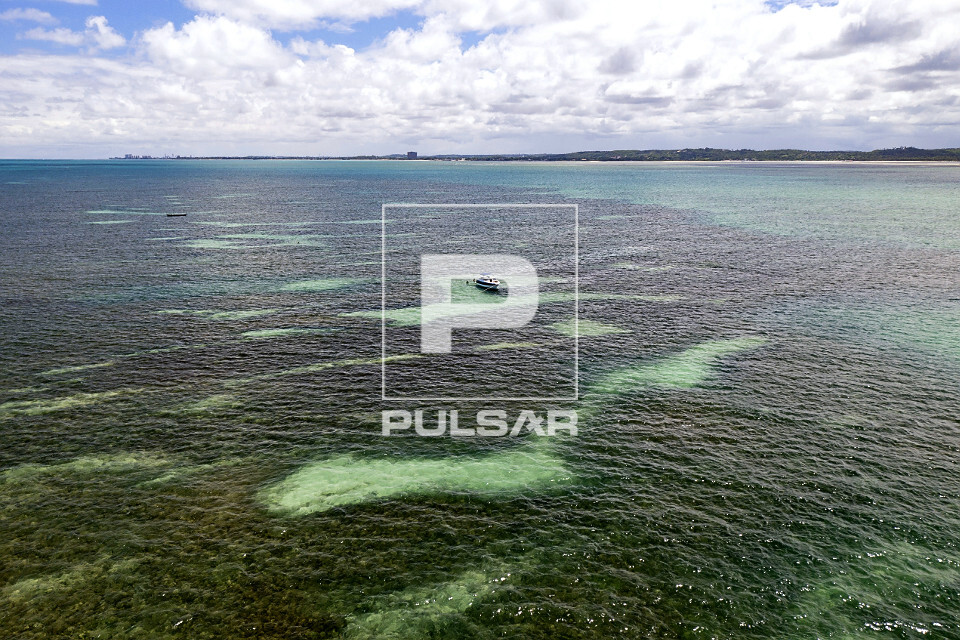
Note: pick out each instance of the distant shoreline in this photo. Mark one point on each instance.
(900, 154)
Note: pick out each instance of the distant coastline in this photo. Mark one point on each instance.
(899, 154)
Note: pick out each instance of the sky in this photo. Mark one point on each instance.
(99, 78)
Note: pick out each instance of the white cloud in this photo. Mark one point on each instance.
(91, 3)
(465, 15)
(300, 13)
(27, 15)
(553, 76)
(102, 34)
(214, 45)
(98, 35)
(60, 36)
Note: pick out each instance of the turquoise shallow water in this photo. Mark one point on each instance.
(190, 406)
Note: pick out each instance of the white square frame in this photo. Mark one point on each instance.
(383, 297)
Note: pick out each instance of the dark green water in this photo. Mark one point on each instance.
(190, 407)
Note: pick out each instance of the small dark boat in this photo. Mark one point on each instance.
(175, 215)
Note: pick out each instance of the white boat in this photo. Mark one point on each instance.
(487, 282)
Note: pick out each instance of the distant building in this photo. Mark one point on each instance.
(411, 155)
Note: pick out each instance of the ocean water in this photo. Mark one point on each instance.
(769, 437)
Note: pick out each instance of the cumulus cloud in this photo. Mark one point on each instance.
(465, 15)
(214, 45)
(98, 35)
(27, 15)
(300, 14)
(551, 72)
(102, 34)
(60, 36)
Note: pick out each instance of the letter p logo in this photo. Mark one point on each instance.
(439, 315)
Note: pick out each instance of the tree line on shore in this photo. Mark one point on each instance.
(717, 155)
(649, 155)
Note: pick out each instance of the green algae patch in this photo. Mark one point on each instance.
(214, 243)
(424, 611)
(114, 463)
(240, 225)
(349, 480)
(176, 347)
(404, 317)
(265, 334)
(213, 404)
(109, 363)
(63, 403)
(896, 571)
(58, 583)
(81, 367)
(586, 328)
(22, 390)
(690, 368)
(187, 472)
(241, 315)
(279, 240)
(33, 588)
(215, 314)
(157, 468)
(323, 284)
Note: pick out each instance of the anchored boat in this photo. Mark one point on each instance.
(487, 282)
